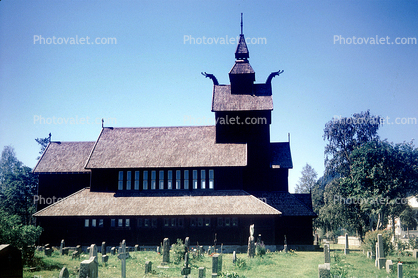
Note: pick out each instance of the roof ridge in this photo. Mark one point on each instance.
(39, 160)
(92, 149)
(62, 199)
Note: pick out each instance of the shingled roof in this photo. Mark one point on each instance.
(164, 147)
(280, 155)
(223, 100)
(64, 157)
(86, 203)
(286, 203)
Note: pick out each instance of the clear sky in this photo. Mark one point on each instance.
(150, 74)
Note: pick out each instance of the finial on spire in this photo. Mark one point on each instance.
(242, 31)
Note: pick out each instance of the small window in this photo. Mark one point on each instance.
(128, 180)
(180, 222)
(153, 178)
(86, 223)
(203, 179)
(211, 179)
(120, 222)
(139, 222)
(93, 222)
(127, 222)
(166, 222)
(112, 222)
(161, 179)
(145, 180)
(100, 223)
(194, 179)
(146, 222)
(186, 179)
(154, 223)
(178, 179)
(136, 186)
(220, 222)
(170, 179)
(235, 222)
(120, 183)
(193, 222)
(227, 222)
(173, 222)
(200, 222)
(207, 222)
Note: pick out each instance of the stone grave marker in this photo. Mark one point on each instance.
(234, 257)
(93, 252)
(186, 269)
(166, 251)
(79, 249)
(89, 268)
(75, 254)
(187, 243)
(202, 272)
(215, 261)
(64, 273)
(105, 258)
(346, 247)
(251, 243)
(136, 248)
(285, 244)
(400, 272)
(389, 266)
(62, 247)
(123, 255)
(324, 270)
(200, 251)
(380, 252)
(103, 248)
(327, 256)
(148, 267)
(113, 251)
(415, 253)
(10, 261)
(220, 263)
(158, 249)
(48, 252)
(315, 239)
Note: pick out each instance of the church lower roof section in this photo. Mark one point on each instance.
(280, 155)
(86, 203)
(164, 147)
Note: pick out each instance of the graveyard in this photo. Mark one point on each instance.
(201, 263)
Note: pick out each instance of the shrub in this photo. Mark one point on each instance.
(260, 249)
(240, 263)
(179, 249)
(370, 240)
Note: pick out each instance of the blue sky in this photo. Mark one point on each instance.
(151, 77)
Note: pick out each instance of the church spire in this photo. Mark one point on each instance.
(242, 53)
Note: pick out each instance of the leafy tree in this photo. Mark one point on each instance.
(307, 180)
(344, 135)
(44, 143)
(8, 163)
(408, 219)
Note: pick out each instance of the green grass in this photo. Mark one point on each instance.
(275, 264)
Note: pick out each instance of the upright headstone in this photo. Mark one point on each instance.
(62, 247)
(123, 255)
(79, 249)
(105, 258)
(315, 239)
(103, 248)
(75, 254)
(285, 244)
(415, 253)
(234, 257)
(89, 268)
(327, 256)
(215, 260)
(200, 251)
(324, 270)
(380, 252)
(389, 266)
(158, 249)
(186, 269)
(93, 252)
(113, 251)
(166, 251)
(10, 261)
(48, 252)
(202, 272)
(148, 267)
(400, 272)
(64, 273)
(187, 243)
(136, 248)
(346, 247)
(251, 243)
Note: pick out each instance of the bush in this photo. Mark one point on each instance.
(179, 249)
(370, 240)
(260, 249)
(413, 243)
(240, 263)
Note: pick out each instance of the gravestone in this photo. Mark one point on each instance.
(251, 243)
(209, 250)
(89, 268)
(136, 248)
(186, 269)
(234, 257)
(200, 251)
(220, 263)
(166, 251)
(187, 243)
(103, 248)
(64, 273)
(10, 261)
(415, 253)
(346, 248)
(48, 252)
(65, 250)
(62, 247)
(158, 249)
(215, 260)
(113, 251)
(148, 267)
(202, 272)
(79, 249)
(380, 252)
(105, 258)
(75, 255)
(400, 272)
(285, 244)
(315, 239)
(123, 255)
(389, 266)
(327, 256)
(324, 270)
(93, 252)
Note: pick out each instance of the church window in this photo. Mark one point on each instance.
(186, 179)
(145, 180)
(211, 179)
(153, 178)
(178, 179)
(120, 183)
(161, 179)
(170, 179)
(128, 180)
(203, 179)
(194, 179)
(136, 180)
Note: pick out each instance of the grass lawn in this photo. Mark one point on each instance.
(275, 264)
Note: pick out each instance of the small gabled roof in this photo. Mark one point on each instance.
(164, 147)
(285, 202)
(242, 67)
(223, 100)
(64, 157)
(280, 155)
(86, 203)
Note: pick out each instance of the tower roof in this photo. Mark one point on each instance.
(242, 53)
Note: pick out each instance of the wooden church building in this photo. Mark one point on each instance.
(144, 184)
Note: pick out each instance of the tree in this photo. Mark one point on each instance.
(307, 180)
(344, 135)
(408, 219)
(44, 143)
